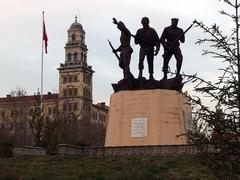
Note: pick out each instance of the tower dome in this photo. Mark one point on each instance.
(76, 26)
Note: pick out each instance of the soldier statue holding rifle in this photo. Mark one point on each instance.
(170, 40)
(124, 49)
(149, 43)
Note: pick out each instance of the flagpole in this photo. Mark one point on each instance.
(42, 60)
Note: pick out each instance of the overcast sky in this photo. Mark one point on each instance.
(20, 39)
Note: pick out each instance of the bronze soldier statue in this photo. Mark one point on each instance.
(124, 49)
(170, 40)
(147, 38)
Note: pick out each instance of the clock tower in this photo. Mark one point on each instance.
(75, 75)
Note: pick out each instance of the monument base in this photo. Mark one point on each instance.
(148, 117)
(174, 83)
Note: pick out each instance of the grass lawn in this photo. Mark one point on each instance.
(116, 167)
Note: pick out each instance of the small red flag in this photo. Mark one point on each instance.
(45, 37)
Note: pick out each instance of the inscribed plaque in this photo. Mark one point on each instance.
(139, 127)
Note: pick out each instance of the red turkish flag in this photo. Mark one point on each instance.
(45, 37)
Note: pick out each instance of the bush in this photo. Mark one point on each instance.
(6, 149)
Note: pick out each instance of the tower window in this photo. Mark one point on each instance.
(75, 56)
(21, 113)
(64, 79)
(49, 111)
(12, 113)
(75, 78)
(54, 110)
(70, 92)
(64, 107)
(70, 79)
(64, 93)
(82, 56)
(82, 38)
(31, 111)
(75, 92)
(69, 56)
(75, 107)
(73, 37)
(16, 113)
(69, 107)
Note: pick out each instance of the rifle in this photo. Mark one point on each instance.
(113, 50)
(178, 38)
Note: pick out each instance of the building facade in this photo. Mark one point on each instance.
(75, 91)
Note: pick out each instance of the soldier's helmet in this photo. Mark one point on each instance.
(145, 20)
(174, 20)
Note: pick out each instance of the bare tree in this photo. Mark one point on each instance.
(19, 91)
(36, 122)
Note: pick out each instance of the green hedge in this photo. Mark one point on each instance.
(6, 149)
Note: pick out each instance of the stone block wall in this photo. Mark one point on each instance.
(28, 150)
(64, 149)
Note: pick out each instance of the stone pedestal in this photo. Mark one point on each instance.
(148, 117)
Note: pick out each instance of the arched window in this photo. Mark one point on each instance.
(69, 56)
(82, 38)
(75, 55)
(73, 37)
(82, 57)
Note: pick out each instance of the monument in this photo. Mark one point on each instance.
(149, 112)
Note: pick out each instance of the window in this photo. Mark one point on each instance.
(75, 55)
(69, 56)
(75, 78)
(31, 111)
(49, 111)
(54, 110)
(11, 126)
(21, 112)
(82, 38)
(70, 79)
(75, 107)
(75, 92)
(73, 37)
(70, 92)
(64, 79)
(87, 80)
(64, 107)
(64, 93)
(16, 113)
(12, 113)
(3, 114)
(88, 93)
(82, 56)
(69, 107)
(94, 115)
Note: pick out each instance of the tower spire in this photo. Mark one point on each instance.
(79, 17)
